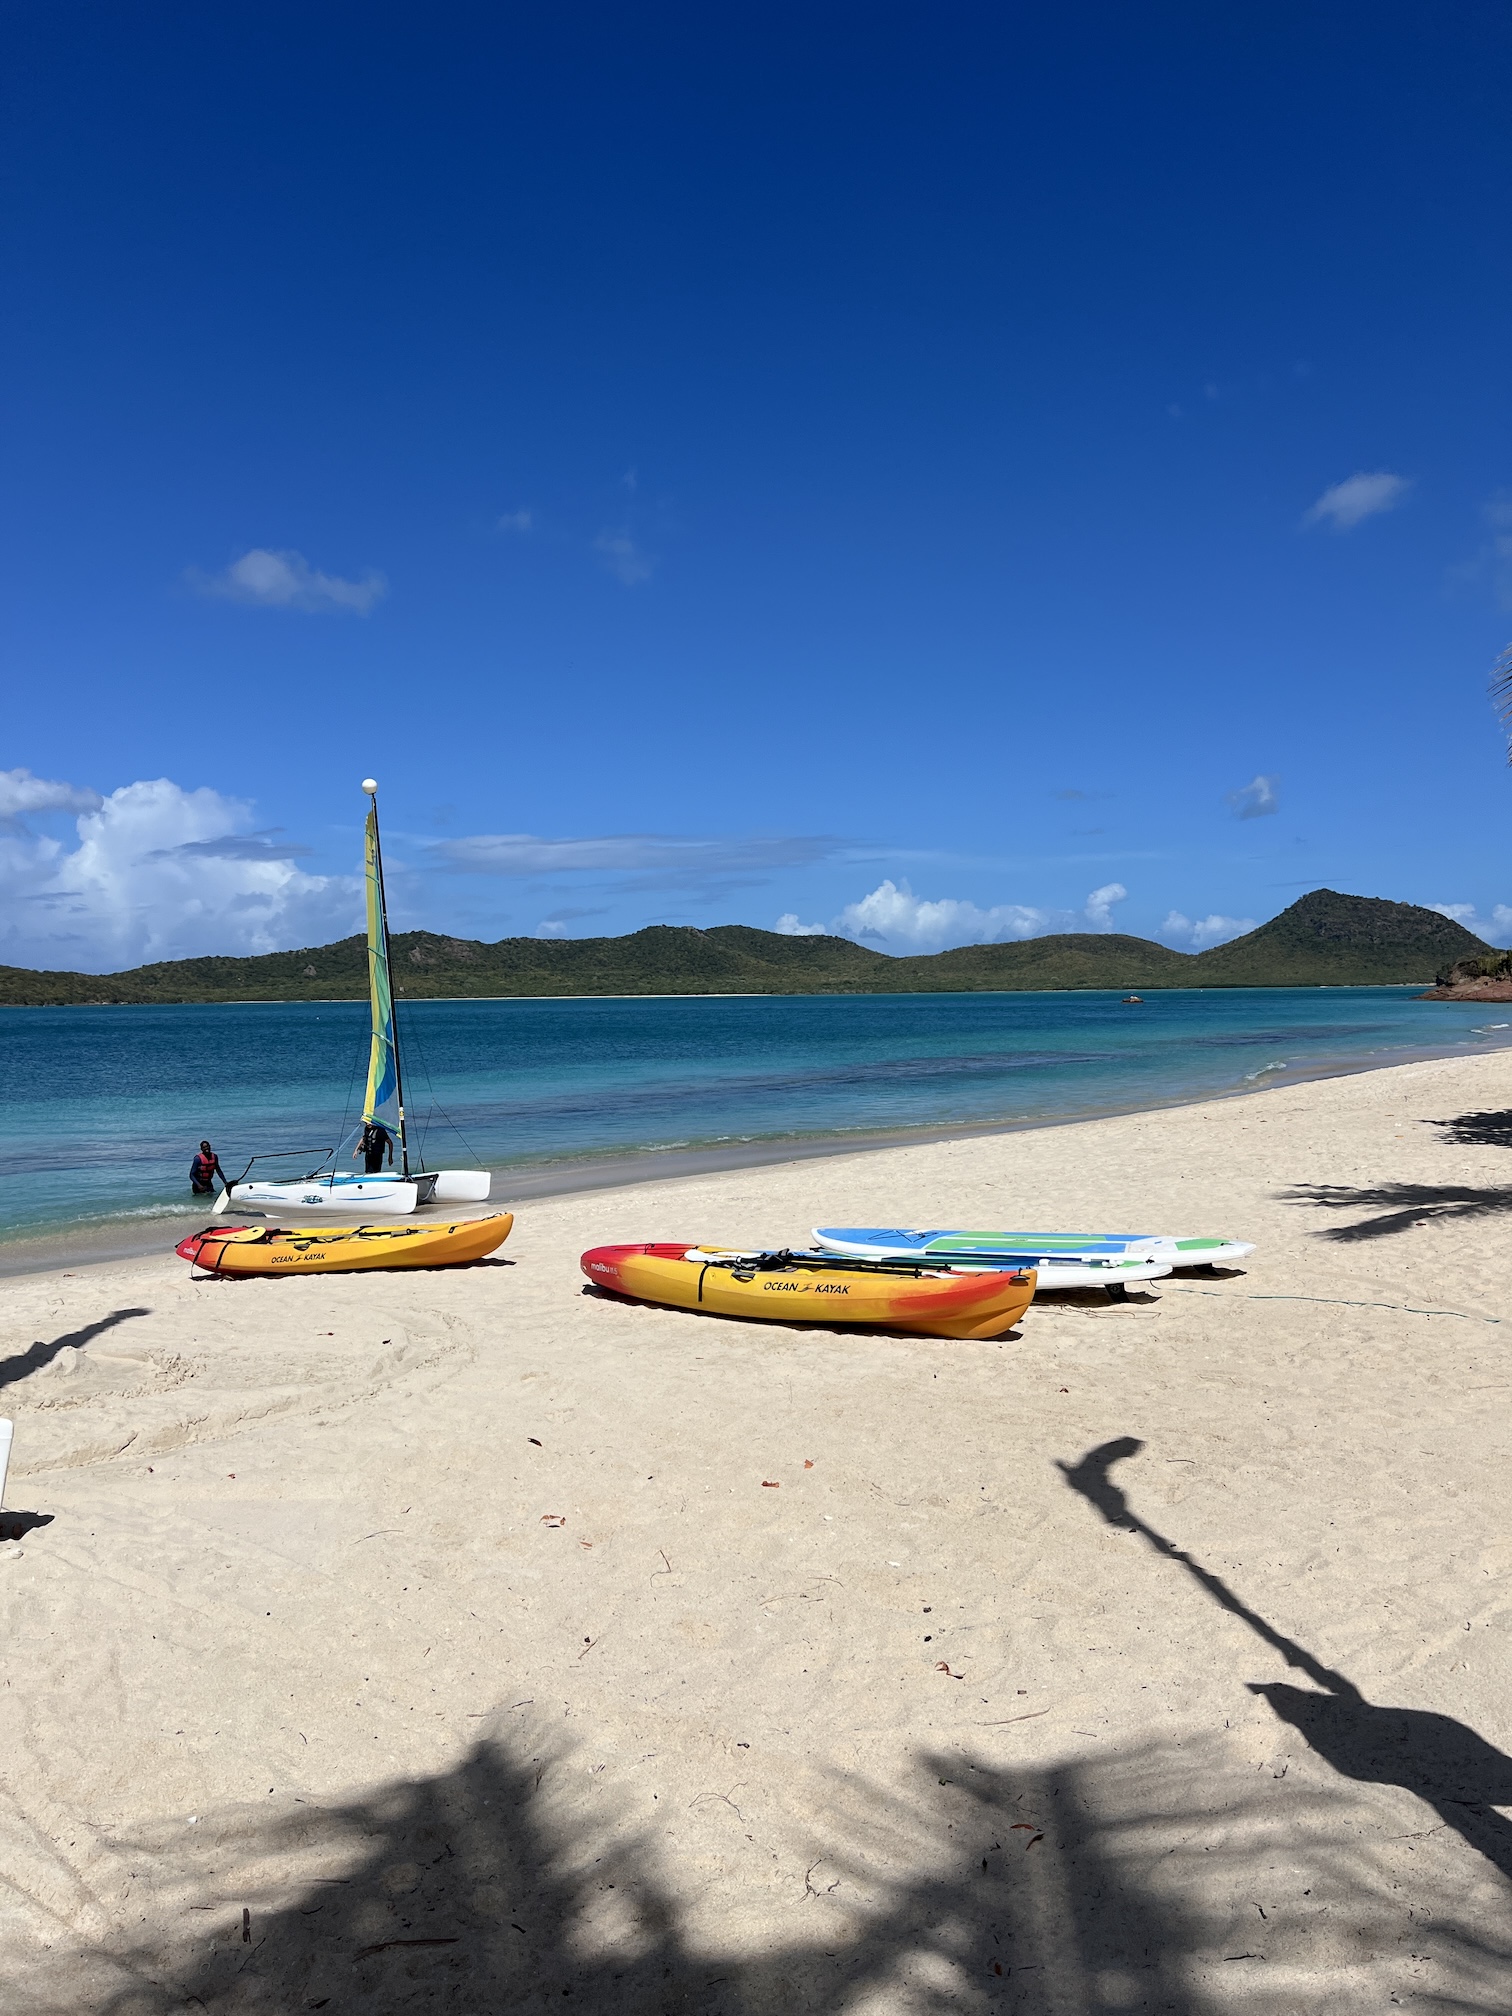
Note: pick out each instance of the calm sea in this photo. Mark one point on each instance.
(102, 1107)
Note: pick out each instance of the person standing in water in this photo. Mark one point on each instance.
(204, 1169)
(376, 1144)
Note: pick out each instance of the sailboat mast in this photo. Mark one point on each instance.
(370, 786)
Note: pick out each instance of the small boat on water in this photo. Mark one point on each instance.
(379, 1193)
(342, 1249)
(784, 1287)
(1065, 1259)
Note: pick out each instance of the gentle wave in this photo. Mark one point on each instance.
(103, 1108)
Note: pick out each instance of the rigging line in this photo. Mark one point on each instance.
(412, 1037)
(437, 1110)
(347, 1107)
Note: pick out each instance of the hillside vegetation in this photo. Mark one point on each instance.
(1325, 939)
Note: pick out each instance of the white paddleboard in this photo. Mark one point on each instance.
(1029, 1249)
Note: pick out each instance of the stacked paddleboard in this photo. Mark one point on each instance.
(1111, 1260)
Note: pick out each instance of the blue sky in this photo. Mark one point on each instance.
(916, 471)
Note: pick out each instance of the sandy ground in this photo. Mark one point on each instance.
(441, 1642)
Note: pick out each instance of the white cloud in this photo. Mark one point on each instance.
(789, 927)
(1495, 929)
(1257, 799)
(1200, 932)
(893, 916)
(270, 580)
(516, 521)
(624, 557)
(158, 872)
(1347, 504)
(1100, 905)
(21, 793)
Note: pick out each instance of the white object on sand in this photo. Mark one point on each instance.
(5, 1448)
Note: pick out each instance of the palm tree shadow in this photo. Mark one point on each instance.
(40, 1353)
(1399, 1206)
(459, 1893)
(1477, 1130)
(1446, 1764)
(1086, 1885)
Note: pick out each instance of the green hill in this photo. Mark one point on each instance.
(1324, 940)
(1340, 941)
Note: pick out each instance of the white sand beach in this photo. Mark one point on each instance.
(466, 1642)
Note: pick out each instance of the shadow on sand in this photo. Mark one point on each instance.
(1477, 1130)
(1169, 1876)
(1120, 1884)
(1398, 1206)
(40, 1353)
(1444, 1763)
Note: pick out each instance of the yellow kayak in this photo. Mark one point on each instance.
(810, 1288)
(342, 1249)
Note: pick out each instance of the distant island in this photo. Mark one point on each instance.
(1324, 940)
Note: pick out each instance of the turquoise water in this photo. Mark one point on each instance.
(103, 1107)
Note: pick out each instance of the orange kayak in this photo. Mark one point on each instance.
(341, 1249)
(808, 1288)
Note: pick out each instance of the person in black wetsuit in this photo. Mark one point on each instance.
(376, 1144)
(203, 1171)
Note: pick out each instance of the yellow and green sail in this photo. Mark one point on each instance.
(382, 1101)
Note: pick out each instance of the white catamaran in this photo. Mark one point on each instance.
(387, 1193)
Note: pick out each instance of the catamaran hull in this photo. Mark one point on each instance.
(374, 1197)
(381, 1196)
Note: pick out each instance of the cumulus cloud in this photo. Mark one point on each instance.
(894, 917)
(515, 521)
(790, 927)
(626, 559)
(1495, 929)
(21, 793)
(1200, 932)
(1347, 504)
(157, 872)
(1100, 905)
(1257, 799)
(283, 580)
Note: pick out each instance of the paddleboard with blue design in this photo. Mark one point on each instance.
(1044, 1250)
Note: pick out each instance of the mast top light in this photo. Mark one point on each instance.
(370, 785)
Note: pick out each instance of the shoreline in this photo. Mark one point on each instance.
(458, 1637)
(1430, 993)
(64, 1251)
